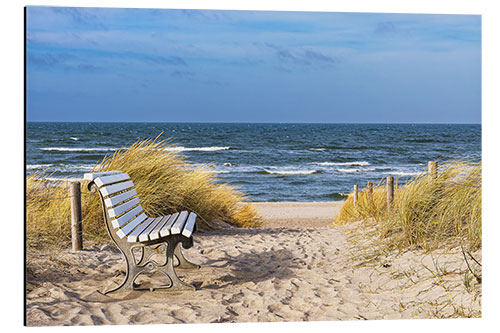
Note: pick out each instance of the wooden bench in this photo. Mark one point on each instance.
(130, 229)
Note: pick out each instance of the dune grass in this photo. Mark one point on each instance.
(165, 181)
(429, 211)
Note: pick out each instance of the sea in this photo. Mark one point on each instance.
(267, 162)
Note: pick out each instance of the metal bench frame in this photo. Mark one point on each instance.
(145, 264)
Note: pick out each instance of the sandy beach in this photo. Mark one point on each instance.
(296, 267)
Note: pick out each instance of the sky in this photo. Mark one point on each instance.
(158, 65)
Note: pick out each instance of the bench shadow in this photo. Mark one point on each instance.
(250, 231)
(250, 267)
(254, 266)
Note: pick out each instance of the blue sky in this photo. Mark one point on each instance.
(97, 64)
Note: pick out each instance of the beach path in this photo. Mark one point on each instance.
(298, 214)
(302, 272)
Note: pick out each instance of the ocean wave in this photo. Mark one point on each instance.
(63, 179)
(74, 138)
(337, 147)
(338, 195)
(38, 166)
(78, 149)
(60, 167)
(197, 148)
(418, 140)
(290, 172)
(402, 173)
(355, 163)
(348, 170)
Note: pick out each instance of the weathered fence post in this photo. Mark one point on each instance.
(369, 190)
(355, 196)
(76, 217)
(432, 168)
(390, 191)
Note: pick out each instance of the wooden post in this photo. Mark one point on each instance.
(390, 191)
(369, 190)
(355, 195)
(432, 168)
(76, 217)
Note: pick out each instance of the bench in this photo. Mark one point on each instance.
(131, 230)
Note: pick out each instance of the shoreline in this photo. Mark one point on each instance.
(298, 214)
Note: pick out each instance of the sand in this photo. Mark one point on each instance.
(300, 270)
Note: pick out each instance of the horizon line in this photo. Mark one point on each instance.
(257, 122)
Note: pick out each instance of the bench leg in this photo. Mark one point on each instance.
(147, 252)
(132, 272)
(183, 262)
(175, 283)
(144, 265)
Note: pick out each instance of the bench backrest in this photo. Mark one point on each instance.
(120, 200)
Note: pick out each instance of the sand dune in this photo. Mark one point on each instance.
(269, 274)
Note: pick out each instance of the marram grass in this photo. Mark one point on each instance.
(165, 181)
(429, 211)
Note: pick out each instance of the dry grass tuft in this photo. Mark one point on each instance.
(429, 211)
(165, 181)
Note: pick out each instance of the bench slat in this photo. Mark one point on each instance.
(179, 223)
(131, 225)
(111, 189)
(144, 236)
(189, 226)
(113, 201)
(117, 210)
(101, 181)
(165, 229)
(118, 222)
(155, 233)
(93, 175)
(134, 235)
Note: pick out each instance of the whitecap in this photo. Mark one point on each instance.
(196, 148)
(77, 149)
(355, 163)
(348, 170)
(402, 173)
(62, 179)
(37, 166)
(290, 172)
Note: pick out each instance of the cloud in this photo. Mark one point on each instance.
(183, 74)
(163, 60)
(214, 15)
(46, 60)
(285, 55)
(385, 28)
(65, 61)
(316, 56)
(50, 59)
(80, 16)
(195, 78)
(85, 68)
(301, 56)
